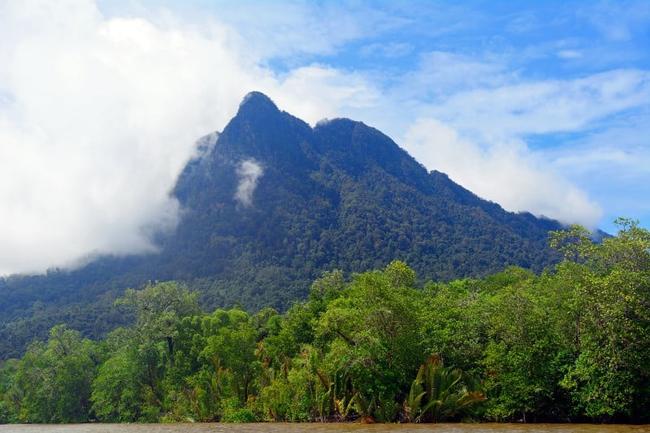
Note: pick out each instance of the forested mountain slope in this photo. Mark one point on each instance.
(269, 205)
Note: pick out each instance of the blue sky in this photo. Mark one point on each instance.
(539, 106)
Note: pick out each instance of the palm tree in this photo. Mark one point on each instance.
(439, 393)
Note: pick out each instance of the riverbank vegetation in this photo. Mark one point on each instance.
(571, 344)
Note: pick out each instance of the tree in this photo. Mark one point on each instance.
(233, 344)
(119, 393)
(9, 394)
(611, 375)
(131, 383)
(159, 309)
(524, 356)
(371, 336)
(53, 379)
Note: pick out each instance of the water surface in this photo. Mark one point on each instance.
(325, 428)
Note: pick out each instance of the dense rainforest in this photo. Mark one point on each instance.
(268, 205)
(569, 344)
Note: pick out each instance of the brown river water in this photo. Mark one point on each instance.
(326, 428)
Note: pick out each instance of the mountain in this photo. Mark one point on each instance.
(269, 205)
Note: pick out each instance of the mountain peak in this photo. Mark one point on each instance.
(256, 102)
(342, 195)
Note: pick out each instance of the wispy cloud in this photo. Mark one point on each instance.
(391, 50)
(441, 73)
(569, 54)
(286, 29)
(249, 173)
(546, 106)
(618, 20)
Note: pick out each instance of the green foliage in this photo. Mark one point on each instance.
(302, 392)
(233, 345)
(9, 397)
(130, 385)
(611, 375)
(454, 322)
(371, 332)
(234, 413)
(571, 343)
(51, 383)
(158, 309)
(522, 352)
(440, 393)
(120, 392)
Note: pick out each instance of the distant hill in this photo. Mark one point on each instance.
(269, 205)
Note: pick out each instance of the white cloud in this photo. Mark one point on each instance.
(441, 73)
(569, 54)
(505, 172)
(613, 164)
(338, 92)
(546, 106)
(478, 134)
(249, 172)
(391, 50)
(618, 20)
(99, 115)
(294, 28)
